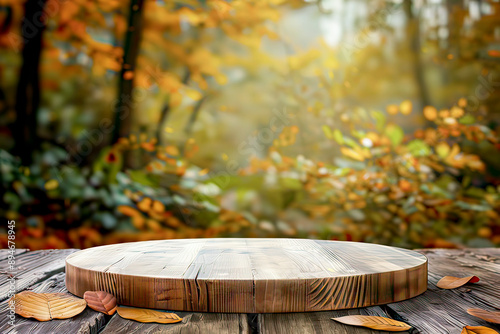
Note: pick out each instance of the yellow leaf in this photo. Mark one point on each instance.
(405, 107)
(51, 184)
(450, 282)
(373, 322)
(457, 112)
(489, 316)
(442, 149)
(47, 306)
(101, 301)
(194, 94)
(146, 315)
(352, 154)
(478, 330)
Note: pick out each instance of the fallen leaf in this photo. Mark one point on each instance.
(101, 301)
(379, 323)
(478, 330)
(47, 306)
(145, 315)
(450, 282)
(489, 316)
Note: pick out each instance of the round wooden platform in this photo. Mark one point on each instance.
(248, 275)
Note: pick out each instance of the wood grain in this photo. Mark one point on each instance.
(219, 323)
(31, 268)
(87, 322)
(436, 311)
(248, 275)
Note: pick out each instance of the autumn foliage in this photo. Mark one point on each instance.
(219, 124)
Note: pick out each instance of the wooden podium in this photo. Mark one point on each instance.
(248, 275)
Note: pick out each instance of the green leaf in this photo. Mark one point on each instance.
(471, 206)
(327, 131)
(379, 119)
(395, 134)
(337, 135)
(142, 178)
(418, 148)
(467, 119)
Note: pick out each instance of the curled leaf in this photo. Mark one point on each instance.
(47, 306)
(478, 330)
(373, 322)
(450, 282)
(145, 315)
(489, 316)
(101, 301)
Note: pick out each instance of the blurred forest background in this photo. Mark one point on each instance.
(124, 120)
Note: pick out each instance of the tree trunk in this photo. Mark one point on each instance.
(28, 89)
(125, 103)
(166, 110)
(415, 47)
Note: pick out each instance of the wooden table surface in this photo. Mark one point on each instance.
(436, 311)
(248, 275)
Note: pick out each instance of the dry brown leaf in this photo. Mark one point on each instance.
(146, 315)
(478, 330)
(450, 282)
(489, 316)
(373, 322)
(47, 306)
(101, 301)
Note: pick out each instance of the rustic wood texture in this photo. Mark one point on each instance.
(436, 311)
(220, 323)
(248, 275)
(31, 268)
(87, 322)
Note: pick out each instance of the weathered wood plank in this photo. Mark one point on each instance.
(316, 322)
(87, 322)
(31, 268)
(444, 311)
(437, 311)
(220, 323)
(4, 253)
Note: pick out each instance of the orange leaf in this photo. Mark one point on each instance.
(478, 330)
(392, 109)
(128, 211)
(145, 315)
(430, 113)
(489, 316)
(47, 306)
(101, 301)
(450, 282)
(145, 204)
(379, 323)
(172, 150)
(128, 75)
(158, 206)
